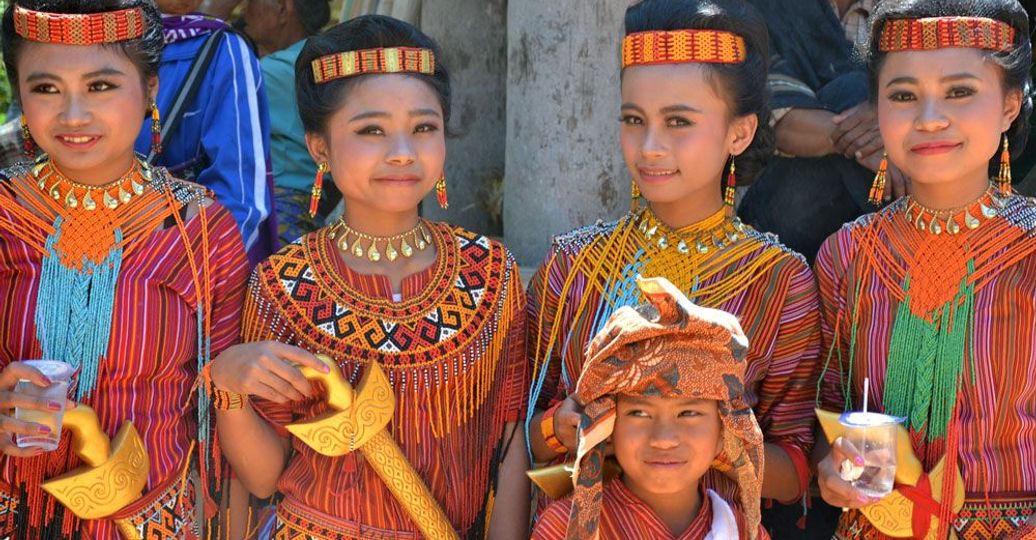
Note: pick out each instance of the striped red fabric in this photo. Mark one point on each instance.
(996, 405)
(345, 494)
(625, 516)
(152, 366)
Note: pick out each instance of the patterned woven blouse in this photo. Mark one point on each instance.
(718, 263)
(452, 349)
(150, 367)
(944, 325)
(624, 515)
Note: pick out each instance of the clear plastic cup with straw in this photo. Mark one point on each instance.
(873, 436)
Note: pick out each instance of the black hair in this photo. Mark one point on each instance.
(313, 15)
(317, 102)
(1015, 63)
(145, 52)
(742, 85)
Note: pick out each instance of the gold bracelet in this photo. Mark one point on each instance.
(222, 400)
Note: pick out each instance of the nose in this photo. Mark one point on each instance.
(931, 117)
(664, 435)
(76, 112)
(653, 146)
(402, 151)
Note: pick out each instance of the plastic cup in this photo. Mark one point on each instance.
(59, 373)
(874, 437)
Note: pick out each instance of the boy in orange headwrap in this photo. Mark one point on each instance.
(664, 382)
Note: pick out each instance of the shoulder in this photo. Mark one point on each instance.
(19, 169)
(772, 244)
(1020, 211)
(574, 241)
(553, 522)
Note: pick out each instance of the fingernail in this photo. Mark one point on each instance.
(43, 429)
(46, 380)
(858, 460)
(859, 155)
(327, 368)
(54, 405)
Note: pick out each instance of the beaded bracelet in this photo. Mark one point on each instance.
(221, 399)
(547, 428)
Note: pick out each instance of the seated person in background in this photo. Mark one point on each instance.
(664, 384)
(828, 142)
(223, 133)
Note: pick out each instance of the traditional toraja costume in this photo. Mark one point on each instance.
(447, 352)
(667, 348)
(136, 284)
(937, 309)
(718, 262)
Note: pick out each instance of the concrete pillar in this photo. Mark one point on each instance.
(472, 34)
(564, 166)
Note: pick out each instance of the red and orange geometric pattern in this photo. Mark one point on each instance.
(932, 33)
(383, 60)
(683, 47)
(79, 28)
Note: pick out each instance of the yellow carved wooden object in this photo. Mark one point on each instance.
(114, 474)
(892, 514)
(358, 420)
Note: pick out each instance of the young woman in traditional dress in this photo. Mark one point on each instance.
(933, 298)
(131, 276)
(693, 114)
(424, 320)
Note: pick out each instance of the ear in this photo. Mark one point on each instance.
(152, 88)
(741, 132)
(317, 146)
(1012, 108)
(285, 7)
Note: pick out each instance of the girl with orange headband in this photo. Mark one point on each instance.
(412, 431)
(693, 126)
(131, 276)
(932, 297)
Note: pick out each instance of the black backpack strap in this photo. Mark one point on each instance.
(189, 89)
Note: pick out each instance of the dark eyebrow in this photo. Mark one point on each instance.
(39, 76)
(948, 78)
(425, 112)
(369, 114)
(678, 108)
(102, 72)
(633, 107)
(42, 76)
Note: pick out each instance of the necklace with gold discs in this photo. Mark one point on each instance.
(362, 245)
(88, 197)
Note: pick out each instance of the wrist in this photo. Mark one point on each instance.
(222, 400)
(547, 430)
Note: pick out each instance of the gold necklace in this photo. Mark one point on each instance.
(954, 220)
(419, 236)
(715, 232)
(52, 181)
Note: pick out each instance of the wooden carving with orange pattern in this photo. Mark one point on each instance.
(358, 420)
(114, 473)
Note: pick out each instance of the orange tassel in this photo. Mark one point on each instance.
(730, 192)
(318, 186)
(1003, 180)
(877, 194)
(440, 192)
(28, 147)
(156, 129)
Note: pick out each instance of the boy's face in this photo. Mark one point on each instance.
(665, 445)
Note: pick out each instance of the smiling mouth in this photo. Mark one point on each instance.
(658, 173)
(929, 149)
(76, 139)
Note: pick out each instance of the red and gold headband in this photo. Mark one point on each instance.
(387, 60)
(79, 28)
(933, 33)
(682, 47)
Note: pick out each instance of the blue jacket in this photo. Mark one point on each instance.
(223, 140)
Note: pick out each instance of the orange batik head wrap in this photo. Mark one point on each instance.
(669, 348)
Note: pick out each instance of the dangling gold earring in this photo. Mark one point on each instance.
(730, 191)
(28, 146)
(440, 192)
(1003, 180)
(318, 186)
(634, 196)
(156, 129)
(877, 195)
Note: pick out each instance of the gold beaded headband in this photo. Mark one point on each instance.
(386, 60)
(79, 28)
(682, 47)
(932, 33)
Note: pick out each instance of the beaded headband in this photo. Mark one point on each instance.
(386, 60)
(79, 28)
(682, 47)
(932, 33)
